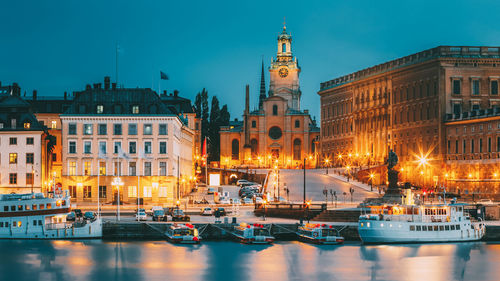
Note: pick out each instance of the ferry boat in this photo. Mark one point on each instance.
(34, 216)
(253, 234)
(319, 234)
(183, 234)
(419, 224)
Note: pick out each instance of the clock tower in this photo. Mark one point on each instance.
(284, 72)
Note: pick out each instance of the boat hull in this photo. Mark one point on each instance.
(320, 241)
(381, 232)
(91, 230)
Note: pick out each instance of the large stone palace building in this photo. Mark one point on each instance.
(278, 132)
(439, 109)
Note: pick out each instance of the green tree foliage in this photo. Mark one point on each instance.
(197, 105)
(214, 126)
(204, 114)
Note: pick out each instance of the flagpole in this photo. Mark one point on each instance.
(98, 191)
(116, 69)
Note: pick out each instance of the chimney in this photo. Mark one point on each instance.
(107, 80)
(88, 87)
(34, 94)
(165, 92)
(113, 86)
(176, 93)
(99, 86)
(65, 95)
(96, 85)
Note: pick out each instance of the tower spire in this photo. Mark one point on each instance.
(262, 95)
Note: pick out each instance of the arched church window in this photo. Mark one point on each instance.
(297, 149)
(283, 48)
(254, 147)
(297, 124)
(275, 110)
(254, 124)
(235, 149)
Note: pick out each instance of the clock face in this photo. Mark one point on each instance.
(283, 72)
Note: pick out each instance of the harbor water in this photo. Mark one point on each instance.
(159, 260)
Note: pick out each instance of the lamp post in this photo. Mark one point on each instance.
(265, 208)
(117, 182)
(326, 161)
(371, 181)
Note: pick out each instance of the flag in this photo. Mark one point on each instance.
(122, 154)
(142, 155)
(102, 153)
(163, 76)
(204, 149)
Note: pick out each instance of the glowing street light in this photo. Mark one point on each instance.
(371, 181)
(327, 161)
(117, 182)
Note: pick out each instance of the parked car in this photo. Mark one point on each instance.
(178, 215)
(89, 215)
(71, 216)
(485, 202)
(220, 210)
(235, 201)
(153, 209)
(224, 200)
(210, 190)
(247, 200)
(207, 211)
(141, 215)
(78, 213)
(259, 200)
(240, 182)
(159, 215)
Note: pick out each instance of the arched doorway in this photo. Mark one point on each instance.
(297, 149)
(235, 149)
(254, 147)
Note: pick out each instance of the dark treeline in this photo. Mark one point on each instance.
(211, 122)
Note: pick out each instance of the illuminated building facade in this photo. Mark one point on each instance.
(278, 132)
(129, 141)
(409, 105)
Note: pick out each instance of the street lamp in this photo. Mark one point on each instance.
(117, 182)
(265, 208)
(348, 172)
(371, 181)
(326, 161)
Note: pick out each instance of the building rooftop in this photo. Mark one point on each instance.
(472, 115)
(477, 52)
(176, 103)
(15, 113)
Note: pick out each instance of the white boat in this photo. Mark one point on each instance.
(253, 234)
(183, 234)
(418, 224)
(34, 216)
(319, 234)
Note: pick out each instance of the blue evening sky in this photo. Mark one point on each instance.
(57, 46)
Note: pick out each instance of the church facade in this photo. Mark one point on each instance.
(278, 132)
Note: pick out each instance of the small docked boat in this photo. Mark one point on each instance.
(183, 234)
(34, 216)
(319, 234)
(253, 234)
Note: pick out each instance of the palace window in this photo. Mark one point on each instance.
(494, 87)
(132, 168)
(30, 141)
(102, 168)
(72, 147)
(102, 191)
(275, 110)
(72, 168)
(475, 87)
(87, 191)
(103, 129)
(135, 109)
(456, 87)
(30, 158)
(87, 147)
(86, 168)
(297, 124)
(87, 129)
(163, 147)
(147, 147)
(254, 124)
(117, 129)
(117, 147)
(148, 129)
(12, 158)
(13, 141)
(297, 147)
(72, 129)
(100, 109)
(132, 191)
(147, 168)
(163, 168)
(132, 129)
(29, 178)
(254, 147)
(457, 108)
(132, 147)
(54, 125)
(162, 129)
(102, 147)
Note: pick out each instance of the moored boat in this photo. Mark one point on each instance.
(183, 234)
(319, 234)
(253, 234)
(418, 224)
(34, 216)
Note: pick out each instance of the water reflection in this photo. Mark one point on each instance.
(98, 260)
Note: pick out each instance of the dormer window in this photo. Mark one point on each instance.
(13, 123)
(135, 109)
(27, 125)
(1, 125)
(100, 109)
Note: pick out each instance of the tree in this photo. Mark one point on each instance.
(197, 105)
(225, 117)
(204, 114)
(214, 127)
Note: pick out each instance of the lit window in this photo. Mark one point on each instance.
(132, 191)
(86, 168)
(72, 168)
(102, 168)
(27, 125)
(135, 109)
(148, 129)
(53, 125)
(100, 109)
(12, 158)
(87, 129)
